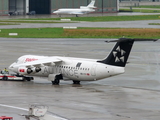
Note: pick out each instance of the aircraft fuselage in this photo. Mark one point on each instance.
(74, 69)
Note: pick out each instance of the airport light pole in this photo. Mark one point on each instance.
(102, 6)
(26, 6)
(131, 5)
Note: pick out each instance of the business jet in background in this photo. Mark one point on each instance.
(77, 11)
(57, 68)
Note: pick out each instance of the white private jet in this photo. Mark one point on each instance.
(77, 11)
(57, 68)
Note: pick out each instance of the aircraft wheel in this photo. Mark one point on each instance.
(5, 78)
(26, 78)
(55, 82)
(76, 82)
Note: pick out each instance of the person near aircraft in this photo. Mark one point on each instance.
(5, 71)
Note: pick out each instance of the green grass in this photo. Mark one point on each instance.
(81, 33)
(31, 21)
(104, 18)
(154, 23)
(140, 10)
(9, 23)
(148, 6)
(33, 32)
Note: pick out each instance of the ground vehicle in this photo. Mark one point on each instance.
(6, 118)
(31, 13)
(39, 112)
(6, 76)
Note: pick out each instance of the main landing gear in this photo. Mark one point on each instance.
(57, 79)
(75, 82)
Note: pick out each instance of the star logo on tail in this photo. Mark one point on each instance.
(119, 54)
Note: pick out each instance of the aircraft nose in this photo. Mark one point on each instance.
(55, 12)
(11, 67)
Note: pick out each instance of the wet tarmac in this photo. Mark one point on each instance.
(134, 95)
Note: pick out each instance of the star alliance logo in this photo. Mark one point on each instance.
(119, 55)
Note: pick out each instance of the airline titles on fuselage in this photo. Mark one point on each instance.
(66, 70)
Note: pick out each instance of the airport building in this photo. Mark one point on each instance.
(139, 0)
(22, 7)
(123, 3)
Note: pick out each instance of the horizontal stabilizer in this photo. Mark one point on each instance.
(120, 53)
(135, 39)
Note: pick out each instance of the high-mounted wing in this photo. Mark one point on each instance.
(49, 61)
(35, 66)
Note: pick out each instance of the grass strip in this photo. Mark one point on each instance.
(154, 23)
(30, 21)
(33, 32)
(104, 18)
(81, 33)
(140, 10)
(148, 6)
(113, 33)
(9, 23)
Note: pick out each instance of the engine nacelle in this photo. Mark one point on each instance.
(25, 71)
(83, 7)
(38, 69)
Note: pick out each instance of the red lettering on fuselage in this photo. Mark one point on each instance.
(30, 59)
(21, 70)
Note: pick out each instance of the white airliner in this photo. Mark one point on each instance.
(57, 68)
(77, 11)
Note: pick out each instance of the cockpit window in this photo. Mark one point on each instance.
(16, 61)
(19, 61)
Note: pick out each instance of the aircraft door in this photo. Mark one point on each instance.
(93, 70)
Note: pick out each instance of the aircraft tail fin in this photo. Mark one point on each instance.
(91, 5)
(120, 53)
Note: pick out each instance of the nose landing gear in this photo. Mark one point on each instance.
(75, 82)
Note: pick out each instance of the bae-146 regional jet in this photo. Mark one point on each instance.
(57, 68)
(77, 11)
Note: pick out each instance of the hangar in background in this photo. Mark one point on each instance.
(40, 6)
(22, 7)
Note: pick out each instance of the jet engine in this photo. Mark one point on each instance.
(25, 71)
(37, 69)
